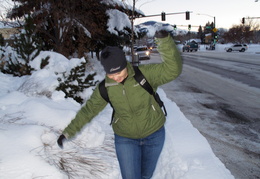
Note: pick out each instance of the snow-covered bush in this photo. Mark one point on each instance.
(76, 81)
(73, 77)
(27, 46)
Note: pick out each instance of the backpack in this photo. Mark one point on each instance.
(139, 77)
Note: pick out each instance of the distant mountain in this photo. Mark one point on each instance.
(149, 23)
(150, 27)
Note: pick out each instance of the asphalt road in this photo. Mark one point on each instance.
(221, 98)
(243, 76)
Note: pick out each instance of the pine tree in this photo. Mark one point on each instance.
(28, 46)
(73, 26)
(200, 35)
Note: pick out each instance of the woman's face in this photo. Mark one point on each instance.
(119, 76)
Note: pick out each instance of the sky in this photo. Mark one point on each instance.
(226, 12)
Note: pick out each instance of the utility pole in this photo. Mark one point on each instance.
(132, 32)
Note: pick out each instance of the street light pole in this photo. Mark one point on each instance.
(213, 30)
(214, 22)
(214, 25)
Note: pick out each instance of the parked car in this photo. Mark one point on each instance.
(142, 52)
(190, 46)
(237, 47)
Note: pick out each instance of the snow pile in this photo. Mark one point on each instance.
(30, 125)
(117, 20)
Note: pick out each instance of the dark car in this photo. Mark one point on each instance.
(190, 46)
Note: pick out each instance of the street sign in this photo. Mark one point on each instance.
(215, 30)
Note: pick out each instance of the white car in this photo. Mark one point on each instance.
(237, 47)
(142, 52)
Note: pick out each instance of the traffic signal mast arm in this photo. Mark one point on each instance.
(243, 19)
(174, 13)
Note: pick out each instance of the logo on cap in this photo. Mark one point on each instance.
(114, 69)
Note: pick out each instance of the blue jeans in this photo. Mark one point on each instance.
(138, 157)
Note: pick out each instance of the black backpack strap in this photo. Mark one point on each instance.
(140, 78)
(103, 91)
(160, 102)
(104, 94)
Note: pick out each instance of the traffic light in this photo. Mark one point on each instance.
(187, 15)
(163, 16)
(174, 27)
(215, 35)
(189, 26)
(243, 20)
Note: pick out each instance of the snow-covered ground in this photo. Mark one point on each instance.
(33, 114)
(253, 49)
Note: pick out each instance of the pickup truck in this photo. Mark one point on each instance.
(190, 46)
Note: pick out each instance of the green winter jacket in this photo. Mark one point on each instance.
(137, 114)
